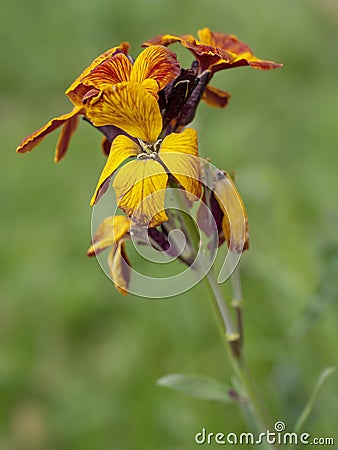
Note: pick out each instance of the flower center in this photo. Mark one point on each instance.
(149, 150)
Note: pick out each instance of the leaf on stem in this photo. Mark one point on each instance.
(198, 386)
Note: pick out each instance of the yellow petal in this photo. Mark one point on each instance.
(109, 232)
(179, 152)
(151, 86)
(76, 90)
(113, 71)
(157, 63)
(129, 106)
(140, 189)
(206, 36)
(235, 222)
(119, 268)
(215, 97)
(121, 149)
(35, 138)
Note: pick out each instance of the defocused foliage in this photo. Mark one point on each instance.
(78, 363)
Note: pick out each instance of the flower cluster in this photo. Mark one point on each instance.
(142, 108)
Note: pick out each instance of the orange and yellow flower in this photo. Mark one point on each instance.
(154, 68)
(68, 121)
(140, 184)
(216, 51)
(114, 232)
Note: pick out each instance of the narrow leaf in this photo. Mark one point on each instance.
(310, 404)
(198, 386)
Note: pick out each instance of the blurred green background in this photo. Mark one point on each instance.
(78, 362)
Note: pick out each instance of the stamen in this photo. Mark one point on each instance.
(147, 148)
(142, 156)
(157, 145)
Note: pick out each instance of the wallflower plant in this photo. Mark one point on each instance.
(142, 108)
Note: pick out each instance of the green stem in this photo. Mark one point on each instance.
(237, 358)
(215, 292)
(255, 412)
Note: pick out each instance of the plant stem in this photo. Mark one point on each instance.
(255, 411)
(237, 357)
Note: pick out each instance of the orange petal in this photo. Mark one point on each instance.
(140, 190)
(235, 221)
(245, 59)
(208, 55)
(119, 267)
(112, 71)
(67, 131)
(215, 97)
(230, 42)
(179, 153)
(129, 106)
(76, 90)
(242, 53)
(109, 232)
(121, 149)
(158, 63)
(35, 138)
(256, 63)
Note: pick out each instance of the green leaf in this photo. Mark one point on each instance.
(198, 386)
(310, 404)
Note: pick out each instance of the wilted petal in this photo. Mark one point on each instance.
(207, 208)
(119, 267)
(230, 42)
(242, 53)
(129, 106)
(216, 97)
(179, 153)
(157, 63)
(165, 39)
(208, 55)
(244, 59)
(121, 149)
(216, 51)
(109, 232)
(67, 131)
(112, 71)
(35, 138)
(140, 190)
(235, 222)
(76, 90)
